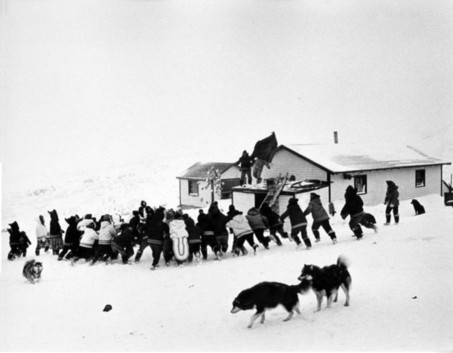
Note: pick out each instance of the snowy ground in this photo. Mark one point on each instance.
(399, 300)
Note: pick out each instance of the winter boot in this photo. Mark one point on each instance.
(244, 251)
(307, 242)
(37, 251)
(255, 247)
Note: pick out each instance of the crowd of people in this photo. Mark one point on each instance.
(157, 228)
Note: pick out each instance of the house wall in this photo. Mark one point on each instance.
(377, 186)
(201, 200)
(287, 162)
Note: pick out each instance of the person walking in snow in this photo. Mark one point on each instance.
(320, 218)
(123, 244)
(242, 232)
(354, 208)
(275, 223)
(298, 222)
(207, 237)
(55, 233)
(41, 236)
(392, 202)
(259, 224)
(194, 231)
(157, 230)
(86, 246)
(71, 239)
(144, 234)
(245, 163)
(107, 233)
(177, 229)
(219, 221)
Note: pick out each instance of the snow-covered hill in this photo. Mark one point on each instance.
(399, 300)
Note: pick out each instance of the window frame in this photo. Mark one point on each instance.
(423, 171)
(193, 188)
(364, 177)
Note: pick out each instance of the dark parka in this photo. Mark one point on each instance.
(72, 235)
(353, 205)
(156, 228)
(219, 220)
(256, 219)
(272, 217)
(55, 228)
(392, 194)
(194, 231)
(295, 214)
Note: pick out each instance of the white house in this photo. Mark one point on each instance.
(366, 167)
(196, 191)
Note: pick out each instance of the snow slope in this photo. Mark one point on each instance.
(399, 299)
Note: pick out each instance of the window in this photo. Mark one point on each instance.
(193, 188)
(360, 184)
(420, 178)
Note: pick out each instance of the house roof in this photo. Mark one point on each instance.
(342, 158)
(200, 170)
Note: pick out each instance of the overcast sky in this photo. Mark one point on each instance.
(85, 83)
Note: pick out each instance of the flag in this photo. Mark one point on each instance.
(265, 148)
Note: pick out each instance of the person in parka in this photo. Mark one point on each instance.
(194, 231)
(55, 233)
(107, 233)
(219, 221)
(123, 244)
(157, 230)
(259, 224)
(86, 246)
(392, 202)
(41, 236)
(177, 229)
(71, 239)
(354, 208)
(275, 224)
(320, 218)
(18, 242)
(207, 237)
(242, 232)
(298, 222)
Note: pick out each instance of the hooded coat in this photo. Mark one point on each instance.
(256, 219)
(55, 228)
(72, 235)
(295, 214)
(14, 233)
(156, 228)
(218, 219)
(88, 238)
(353, 205)
(107, 233)
(316, 209)
(392, 194)
(41, 231)
(194, 231)
(240, 225)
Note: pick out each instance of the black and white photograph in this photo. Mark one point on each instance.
(226, 176)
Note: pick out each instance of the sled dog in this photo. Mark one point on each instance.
(268, 295)
(327, 280)
(32, 270)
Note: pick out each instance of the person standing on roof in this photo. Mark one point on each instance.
(245, 163)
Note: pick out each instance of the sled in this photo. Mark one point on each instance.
(181, 248)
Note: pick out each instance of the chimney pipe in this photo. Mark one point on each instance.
(335, 136)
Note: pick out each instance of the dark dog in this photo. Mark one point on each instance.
(418, 208)
(32, 270)
(327, 280)
(368, 217)
(268, 295)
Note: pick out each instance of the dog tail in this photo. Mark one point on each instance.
(343, 262)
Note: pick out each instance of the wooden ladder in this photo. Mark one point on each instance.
(275, 192)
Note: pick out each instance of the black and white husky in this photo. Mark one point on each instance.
(268, 295)
(327, 280)
(32, 270)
